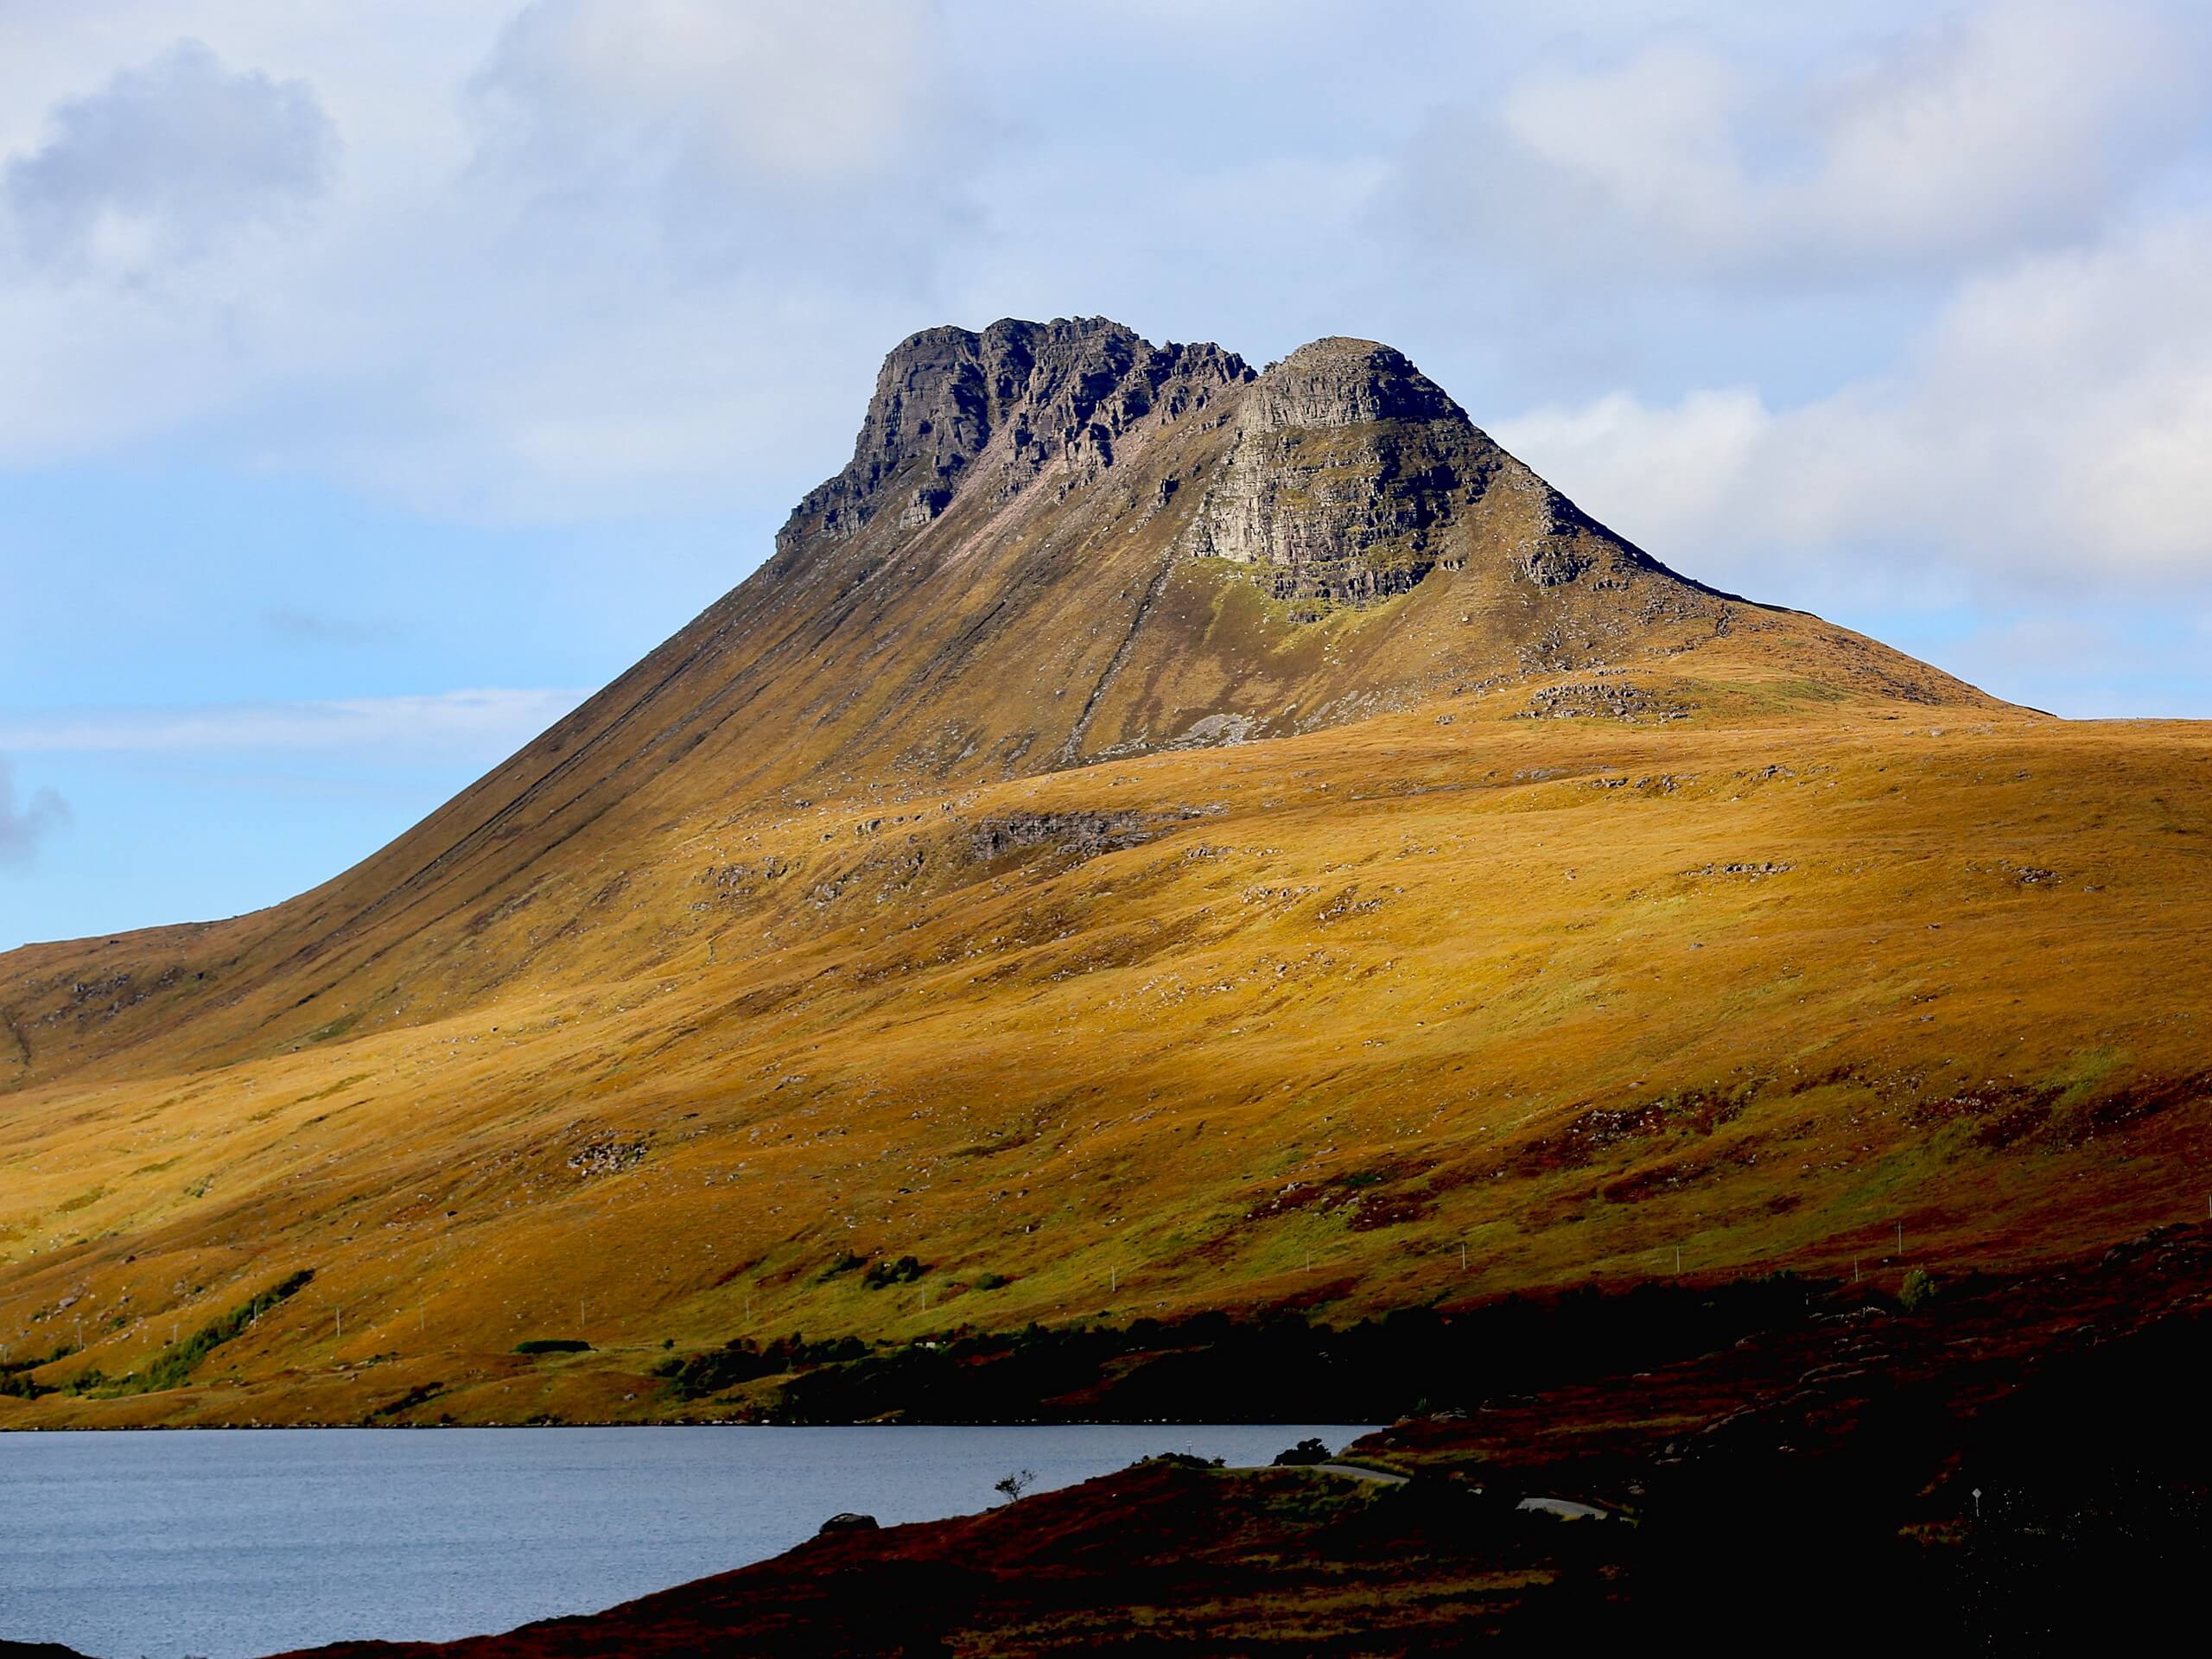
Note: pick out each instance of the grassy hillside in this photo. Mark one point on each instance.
(1155, 837)
(1734, 966)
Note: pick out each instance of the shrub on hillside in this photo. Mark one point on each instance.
(881, 1275)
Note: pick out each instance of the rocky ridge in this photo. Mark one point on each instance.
(1349, 475)
(1018, 395)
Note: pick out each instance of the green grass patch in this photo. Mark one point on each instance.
(176, 1363)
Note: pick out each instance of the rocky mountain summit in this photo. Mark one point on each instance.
(1352, 476)
(1003, 406)
(1057, 542)
(1347, 476)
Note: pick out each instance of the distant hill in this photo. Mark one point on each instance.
(1150, 824)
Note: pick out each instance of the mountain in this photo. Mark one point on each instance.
(1150, 823)
(1054, 545)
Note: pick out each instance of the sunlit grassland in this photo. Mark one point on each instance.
(1408, 1011)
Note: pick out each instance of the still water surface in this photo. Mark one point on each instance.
(237, 1543)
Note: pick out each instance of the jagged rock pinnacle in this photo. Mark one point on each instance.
(1339, 382)
(952, 406)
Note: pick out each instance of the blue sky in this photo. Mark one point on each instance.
(384, 378)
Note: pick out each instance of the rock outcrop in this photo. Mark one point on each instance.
(1002, 406)
(1353, 476)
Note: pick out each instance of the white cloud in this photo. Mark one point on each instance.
(165, 160)
(22, 829)
(2024, 125)
(2047, 434)
(433, 727)
(583, 259)
(821, 135)
(815, 91)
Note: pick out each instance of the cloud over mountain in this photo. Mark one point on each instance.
(23, 828)
(2046, 433)
(166, 160)
(480, 724)
(2014, 127)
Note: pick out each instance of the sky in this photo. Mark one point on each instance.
(383, 379)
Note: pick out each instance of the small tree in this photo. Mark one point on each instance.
(1918, 1291)
(1016, 1484)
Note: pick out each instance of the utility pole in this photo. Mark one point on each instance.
(1114, 1278)
(1900, 1240)
(1462, 1256)
(340, 1313)
(1678, 1258)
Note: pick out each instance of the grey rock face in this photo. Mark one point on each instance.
(954, 410)
(1350, 467)
(1340, 382)
(1350, 475)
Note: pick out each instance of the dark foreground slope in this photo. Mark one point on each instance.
(2014, 1464)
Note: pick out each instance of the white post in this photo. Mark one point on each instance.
(1900, 1240)
(1678, 1258)
(1463, 1257)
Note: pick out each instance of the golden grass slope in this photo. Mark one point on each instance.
(1299, 1019)
(1153, 838)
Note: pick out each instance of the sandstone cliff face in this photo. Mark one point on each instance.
(1353, 476)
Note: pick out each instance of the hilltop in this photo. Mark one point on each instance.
(1156, 835)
